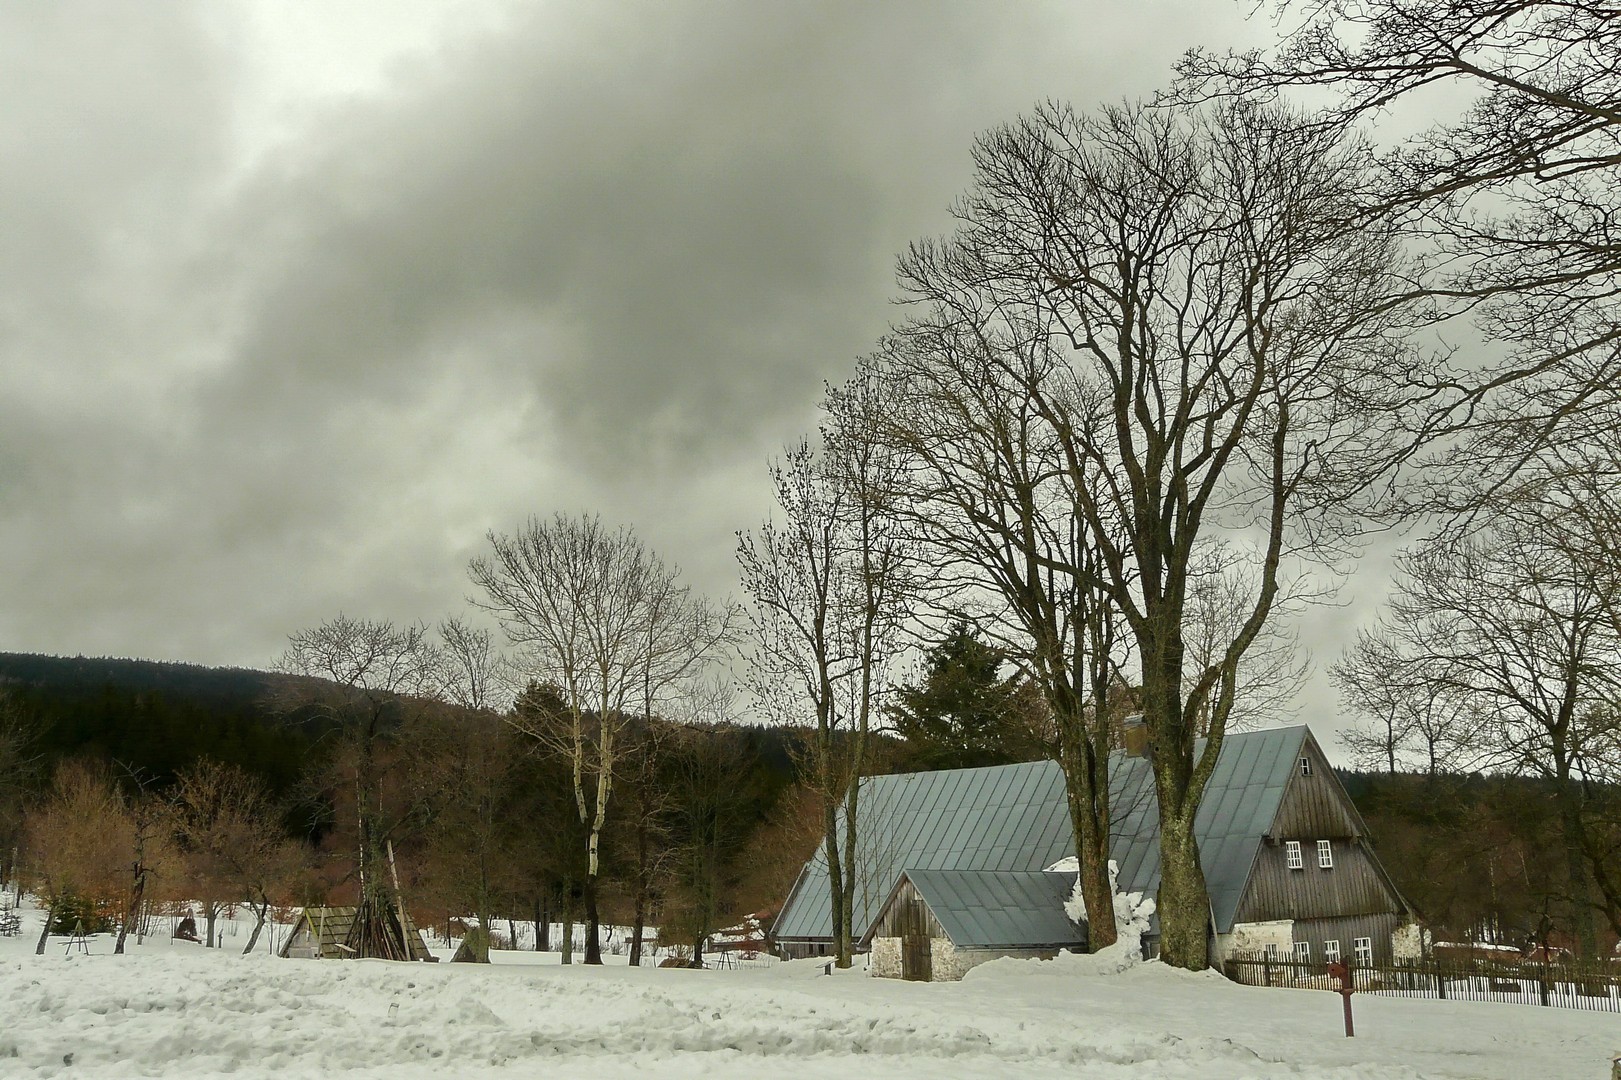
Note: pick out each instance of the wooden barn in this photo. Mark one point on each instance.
(1286, 856)
(326, 933)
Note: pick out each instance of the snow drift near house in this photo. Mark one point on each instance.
(174, 1009)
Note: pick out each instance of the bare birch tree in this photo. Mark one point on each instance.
(602, 619)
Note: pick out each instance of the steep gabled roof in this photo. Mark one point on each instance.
(1016, 818)
(1240, 802)
(1009, 817)
(1005, 909)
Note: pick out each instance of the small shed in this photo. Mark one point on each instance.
(938, 924)
(326, 933)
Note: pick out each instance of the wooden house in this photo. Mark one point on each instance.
(326, 933)
(936, 925)
(1286, 856)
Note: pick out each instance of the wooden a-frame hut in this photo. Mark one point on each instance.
(330, 933)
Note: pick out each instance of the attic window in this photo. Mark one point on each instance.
(1325, 855)
(1291, 848)
(1305, 766)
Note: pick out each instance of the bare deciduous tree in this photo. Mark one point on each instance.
(380, 682)
(1513, 197)
(76, 841)
(147, 848)
(601, 618)
(1204, 324)
(985, 489)
(827, 585)
(1511, 631)
(230, 833)
(476, 675)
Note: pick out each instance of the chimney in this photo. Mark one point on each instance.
(1134, 736)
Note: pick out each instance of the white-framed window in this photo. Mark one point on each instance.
(1303, 952)
(1272, 950)
(1325, 855)
(1364, 951)
(1305, 766)
(1331, 950)
(1291, 849)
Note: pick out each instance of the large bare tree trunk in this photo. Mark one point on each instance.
(848, 884)
(1183, 902)
(835, 880)
(1089, 824)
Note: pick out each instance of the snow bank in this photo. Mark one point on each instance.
(178, 1010)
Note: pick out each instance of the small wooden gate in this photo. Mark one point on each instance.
(915, 958)
(916, 962)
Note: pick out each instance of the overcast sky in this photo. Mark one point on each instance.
(298, 299)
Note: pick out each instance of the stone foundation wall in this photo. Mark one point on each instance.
(884, 960)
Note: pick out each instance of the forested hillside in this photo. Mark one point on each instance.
(1471, 852)
(160, 717)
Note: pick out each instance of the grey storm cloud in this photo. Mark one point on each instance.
(578, 256)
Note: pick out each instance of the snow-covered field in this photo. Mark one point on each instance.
(173, 1009)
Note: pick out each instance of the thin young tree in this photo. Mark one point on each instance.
(826, 585)
(147, 826)
(1203, 321)
(601, 618)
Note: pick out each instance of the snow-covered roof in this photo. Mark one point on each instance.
(1016, 818)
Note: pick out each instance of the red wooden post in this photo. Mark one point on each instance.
(1341, 970)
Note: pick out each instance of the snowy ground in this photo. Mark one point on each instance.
(173, 1009)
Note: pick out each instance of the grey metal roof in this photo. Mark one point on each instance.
(1009, 817)
(1240, 803)
(981, 909)
(1015, 818)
